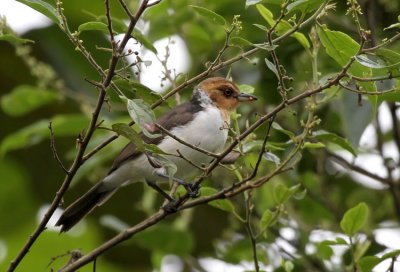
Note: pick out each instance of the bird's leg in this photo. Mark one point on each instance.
(192, 189)
(170, 207)
(154, 185)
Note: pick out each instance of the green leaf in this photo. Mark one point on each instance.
(129, 133)
(288, 266)
(367, 263)
(24, 99)
(141, 113)
(138, 90)
(338, 45)
(272, 67)
(89, 26)
(44, 8)
(239, 41)
(396, 25)
(313, 145)
(144, 41)
(248, 89)
(324, 251)
(222, 204)
(252, 2)
(135, 89)
(294, 160)
(391, 58)
(267, 219)
(263, 28)
(340, 241)
(304, 6)
(152, 148)
(371, 61)
(278, 127)
(302, 39)
(336, 139)
(391, 254)
(162, 160)
(63, 125)
(355, 117)
(164, 238)
(211, 15)
(354, 219)
(266, 14)
(283, 26)
(269, 156)
(14, 39)
(281, 193)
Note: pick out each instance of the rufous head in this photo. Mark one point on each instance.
(223, 93)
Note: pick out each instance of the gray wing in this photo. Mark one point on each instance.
(179, 116)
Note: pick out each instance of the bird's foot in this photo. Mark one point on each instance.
(193, 190)
(171, 206)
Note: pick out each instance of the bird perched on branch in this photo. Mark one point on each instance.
(202, 122)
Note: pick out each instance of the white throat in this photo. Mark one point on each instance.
(202, 97)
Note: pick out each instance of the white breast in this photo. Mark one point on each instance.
(207, 130)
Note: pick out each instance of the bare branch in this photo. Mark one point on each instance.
(53, 149)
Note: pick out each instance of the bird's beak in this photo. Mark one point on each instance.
(242, 97)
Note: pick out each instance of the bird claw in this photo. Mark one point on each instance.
(193, 190)
(171, 207)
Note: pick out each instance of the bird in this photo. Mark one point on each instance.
(203, 122)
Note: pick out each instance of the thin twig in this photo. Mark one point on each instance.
(357, 169)
(189, 161)
(262, 151)
(249, 211)
(385, 43)
(278, 67)
(53, 149)
(375, 79)
(126, 9)
(165, 131)
(366, 92)
(109, 25)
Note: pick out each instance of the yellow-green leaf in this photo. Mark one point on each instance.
(222, 204)
(44, 8)
(209, 14)
(354, 219)
(89, 26)
(24, 99)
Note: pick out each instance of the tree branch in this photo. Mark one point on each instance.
(82, 144)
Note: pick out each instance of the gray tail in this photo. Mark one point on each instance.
(83, 206)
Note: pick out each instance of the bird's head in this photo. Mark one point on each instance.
(221, 92)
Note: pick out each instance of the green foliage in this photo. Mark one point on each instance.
(44, 8)
(210, 15)
(93, 26)
(354, 219)
(24, 99)
(222, 204)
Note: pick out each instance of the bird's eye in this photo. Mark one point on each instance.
(227, 92)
